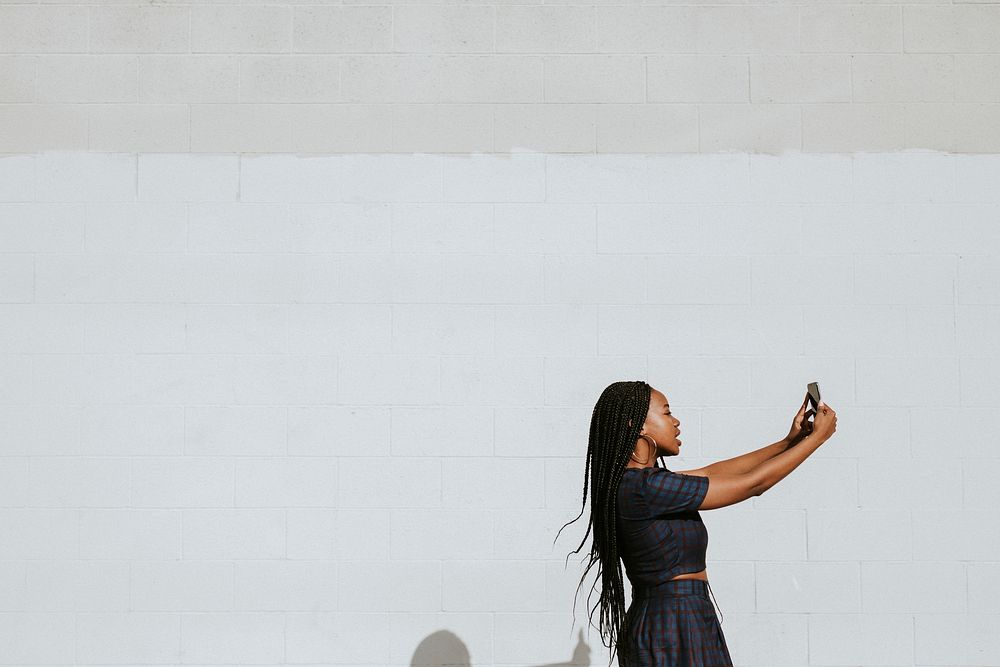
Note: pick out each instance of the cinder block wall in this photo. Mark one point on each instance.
(347, 77)
(304, 309)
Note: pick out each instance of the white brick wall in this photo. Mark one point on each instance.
(303, 410)
(754, 76)
(304, 309)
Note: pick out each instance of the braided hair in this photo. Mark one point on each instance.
(614, 428)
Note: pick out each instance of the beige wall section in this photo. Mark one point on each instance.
(455, 78)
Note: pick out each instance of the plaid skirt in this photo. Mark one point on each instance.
(673, 624)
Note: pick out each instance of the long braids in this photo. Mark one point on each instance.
(614, 428)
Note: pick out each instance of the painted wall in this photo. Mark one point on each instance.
(304, 310)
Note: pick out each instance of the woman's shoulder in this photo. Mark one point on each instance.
(640, 473)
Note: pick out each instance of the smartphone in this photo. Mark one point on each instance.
(812, 405)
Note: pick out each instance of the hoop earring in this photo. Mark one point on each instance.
(643, 435)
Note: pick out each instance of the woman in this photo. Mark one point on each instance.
(648, 516)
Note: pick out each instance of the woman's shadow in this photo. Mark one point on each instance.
(444, 649)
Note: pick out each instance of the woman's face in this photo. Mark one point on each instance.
(661, 425)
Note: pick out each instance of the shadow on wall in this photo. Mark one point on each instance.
(444, 649)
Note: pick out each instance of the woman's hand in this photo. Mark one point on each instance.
(800, 428)
(826, 422)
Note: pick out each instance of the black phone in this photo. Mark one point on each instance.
(812, 405)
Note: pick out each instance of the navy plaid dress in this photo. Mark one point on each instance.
(661, 535)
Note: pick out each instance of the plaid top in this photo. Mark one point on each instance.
(660, 533)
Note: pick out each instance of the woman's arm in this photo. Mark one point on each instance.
(730, 487)
(746, 462)
(772, 471)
